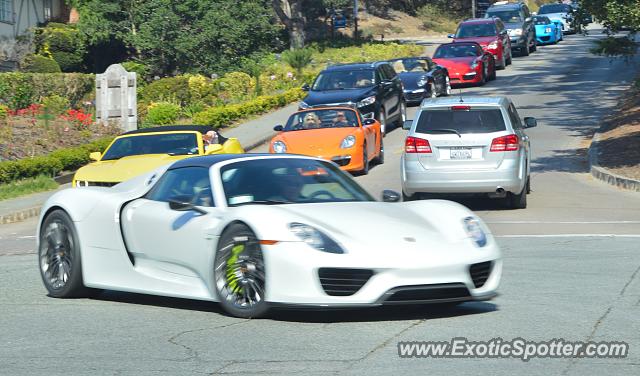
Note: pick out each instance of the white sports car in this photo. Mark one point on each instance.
(257, 231)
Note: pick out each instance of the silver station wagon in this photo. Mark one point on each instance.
(470, 145)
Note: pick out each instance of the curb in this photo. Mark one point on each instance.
(24, 214)
(605, 175)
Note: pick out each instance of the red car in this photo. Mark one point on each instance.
(466, 63)
(490, 33)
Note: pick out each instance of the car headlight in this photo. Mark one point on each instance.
(547, 29)
(303, 105)
(279, 147)
(348, 142)
(493, 45)
(367, 101)
(423, 80)
(315, 238)
(475, 231)
(474, 65)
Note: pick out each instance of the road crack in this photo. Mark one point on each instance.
(192, 354)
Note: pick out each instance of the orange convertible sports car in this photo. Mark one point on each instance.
(338, 134)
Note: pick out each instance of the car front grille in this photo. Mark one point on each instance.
(442, 292)
(480, 273)
(341, 161)
(342, 281)
(545, 39)
(413, 96)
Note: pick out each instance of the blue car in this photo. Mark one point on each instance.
(547, 31)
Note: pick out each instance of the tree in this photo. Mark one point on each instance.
(290, 14)
(298, 59)
(615, 15)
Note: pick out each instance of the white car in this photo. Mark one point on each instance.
(257, 231)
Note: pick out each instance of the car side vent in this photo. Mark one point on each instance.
(342, 281)
(480, 273)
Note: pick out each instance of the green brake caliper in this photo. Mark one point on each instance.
(232, 277)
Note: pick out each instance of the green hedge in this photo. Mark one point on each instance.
(19, 90)
(223, 116)
(59, 160)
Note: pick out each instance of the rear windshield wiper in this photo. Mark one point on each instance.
(447, 130)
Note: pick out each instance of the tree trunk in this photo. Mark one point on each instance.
(290, 14)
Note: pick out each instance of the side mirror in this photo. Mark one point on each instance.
(212, 149)
(95, 156)
(450, 36)
(183, 203)
(278, 128)
(407, 124)
(390, 196)
(368, 121)
(305, 87)
(530, 122)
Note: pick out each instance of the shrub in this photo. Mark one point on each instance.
(436, 19)
(55, 104)
(39, 64)
(162, 113)
(64, 43)
(170, 88)
(236, 86)
(142, 70)
(4, 111)
(298, 59)
(222, 116)
(19, 90)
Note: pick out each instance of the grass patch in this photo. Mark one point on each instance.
(438, 20)
(24, 187)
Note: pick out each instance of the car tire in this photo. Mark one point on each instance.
(403, 113)
(447, 86)
(503, 62)
(59, 257)
(380, 158)
(534, 48)
(365, 161)
(528, 184)
(239, 273)
(493, 74)
(510, 58)
(525, 50)
(383, 121)
(518, 201)
(409, 198)
(433, 92)
(485, 77)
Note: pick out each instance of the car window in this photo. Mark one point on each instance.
(344, 79)
(508, 16)
(514, 117)
(322, 118)
(164, 143)
(476, 30)
(191, 182)
(288, 180)
(500, 25)
(462, 121)
(389, 73)
(526, 12)
(554, 8)
(538, 20)
(457, 50)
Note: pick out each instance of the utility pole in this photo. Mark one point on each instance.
(473, 8)
(355, 19)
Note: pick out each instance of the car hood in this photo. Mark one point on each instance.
(456, 63)
(314, 98)
(315, 141)
(115, 171)
(483, 41)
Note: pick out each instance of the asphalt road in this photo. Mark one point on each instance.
(572, 271)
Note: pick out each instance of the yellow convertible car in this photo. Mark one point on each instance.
(136, 152)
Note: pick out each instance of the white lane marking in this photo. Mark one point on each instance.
(27, 237)
(571, 236)
(566, 222)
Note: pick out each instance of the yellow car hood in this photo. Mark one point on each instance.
(116, 171)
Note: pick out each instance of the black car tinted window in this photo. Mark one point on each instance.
(476, 30)
(538, 20)
(344, 79)
(462, 121)
(508, 16)
(389, 73)
(189, 182)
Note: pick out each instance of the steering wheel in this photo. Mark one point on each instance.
(321, 192)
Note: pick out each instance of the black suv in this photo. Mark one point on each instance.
(374, 88)
(517, 19)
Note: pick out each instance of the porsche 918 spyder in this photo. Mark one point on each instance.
(255, 231)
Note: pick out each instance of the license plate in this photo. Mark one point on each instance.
(460, 153)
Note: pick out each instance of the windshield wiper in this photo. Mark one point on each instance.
(263, 202)
(444, 130)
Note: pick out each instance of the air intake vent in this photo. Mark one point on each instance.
(428, 293)
(480, 273)
(343, 282)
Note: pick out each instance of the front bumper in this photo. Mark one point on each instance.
(415, 96)
(518, 43)
(293, 276)
(545, 38)
(417, 179)
(469, 77)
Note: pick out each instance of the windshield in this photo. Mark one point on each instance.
(541, 20)
(288, 181)
(452, 51)
(461, 121)
(554, 8)
(476, 30)
(339, 79)
(329, 118)
(507, 16)
(168, 143)
(410, 65)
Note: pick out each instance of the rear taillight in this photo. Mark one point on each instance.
(505, 143)
(416, 145)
